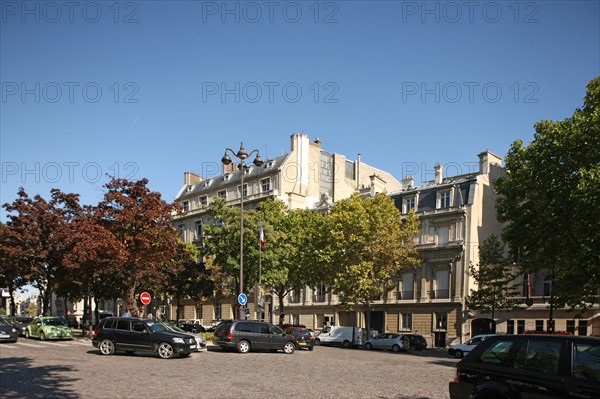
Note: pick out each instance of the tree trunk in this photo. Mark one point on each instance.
(13, 307)
(280, 296)
(368, 318)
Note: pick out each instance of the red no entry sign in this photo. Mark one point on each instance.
(145, 298)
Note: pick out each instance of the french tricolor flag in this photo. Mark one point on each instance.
(262, 236)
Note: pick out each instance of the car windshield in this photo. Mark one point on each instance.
(156, 327)
(54, 322)
(24, 319)
(4, 323)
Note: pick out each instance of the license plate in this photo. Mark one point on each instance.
(4, 336)
(192, 346)
(302, 343)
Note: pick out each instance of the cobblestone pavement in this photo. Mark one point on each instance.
(75, 369)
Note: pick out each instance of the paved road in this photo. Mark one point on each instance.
(75, 369)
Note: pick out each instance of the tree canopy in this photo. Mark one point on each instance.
(550, 202)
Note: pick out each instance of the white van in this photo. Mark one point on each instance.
(340, 335)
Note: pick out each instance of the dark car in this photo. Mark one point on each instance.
(19, 322)
(193, 328)
(253, 335)
(8, 332)
(131, 334)
(303, 336)
(530, 366)
(416, 342)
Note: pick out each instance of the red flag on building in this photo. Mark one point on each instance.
(262, 236)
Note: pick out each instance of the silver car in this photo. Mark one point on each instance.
(388, 341)
(200, 340)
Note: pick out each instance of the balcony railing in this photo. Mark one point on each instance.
(440, 294)
(320, 298)
(405, 295)
(294, 299)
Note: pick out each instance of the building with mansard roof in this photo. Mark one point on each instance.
(305, 177)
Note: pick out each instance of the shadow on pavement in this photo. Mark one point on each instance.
(22, 380)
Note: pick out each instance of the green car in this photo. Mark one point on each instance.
(48, 328)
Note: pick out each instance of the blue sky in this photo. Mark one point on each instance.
(154, 88)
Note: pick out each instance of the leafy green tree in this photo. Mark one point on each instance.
(494, 277)
(185, 276)
(550, 202)
(370, 245)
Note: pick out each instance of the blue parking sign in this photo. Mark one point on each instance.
(242, 299)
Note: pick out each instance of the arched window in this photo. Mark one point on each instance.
(547, 285)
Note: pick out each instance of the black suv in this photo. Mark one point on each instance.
(303, 336)
(256, 335)
(530, 366)
(131, 334)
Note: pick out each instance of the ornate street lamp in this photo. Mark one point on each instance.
(241, 155)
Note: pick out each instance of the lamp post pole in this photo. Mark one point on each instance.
(226, 160)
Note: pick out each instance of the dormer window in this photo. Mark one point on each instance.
(189, 188)
(269, 164)
(444, 199)
(226, 176)
(207, 183)
(247, 171)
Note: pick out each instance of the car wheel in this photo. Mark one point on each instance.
(289, 348)
(27, 335)
(368, 346)
(458, 354)
(311, 348)
(317, 341)
(243, 346)
(396, 348)
(346, 344)
(106, 347)
(42, 336)
(165, 350)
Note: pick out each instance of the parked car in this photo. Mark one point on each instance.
(48, 327)
(200, 340)
(340, 335)
(530, 366)
(417, 342)
(71, 321)
(191, 327)
(459, 350)
(131, 334)
(8, 332)
(253, 335)
(19, 322)
(388, 341)
(303, 336)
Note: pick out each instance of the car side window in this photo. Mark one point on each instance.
(497, 353)
(246, 327)
(540, 356)
(138, 326)
(109, 324)
(123, 325)
(273, 329)
(586, 361)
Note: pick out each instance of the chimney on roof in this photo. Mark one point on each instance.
(486, 159)
(439, 170)
(408, 182)
(190, 178)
